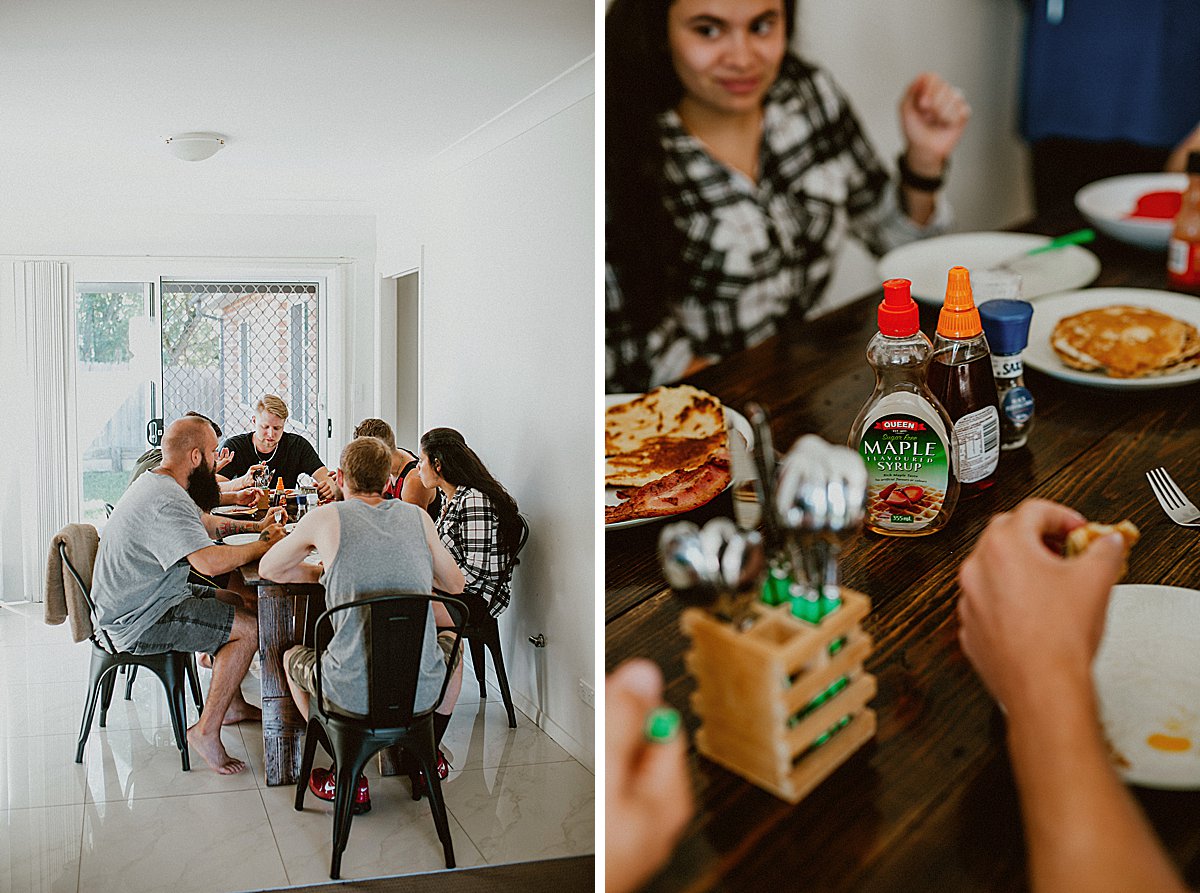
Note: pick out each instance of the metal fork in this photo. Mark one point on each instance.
(1178, 507)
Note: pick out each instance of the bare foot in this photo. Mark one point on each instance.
(241, 710)
(213, 752)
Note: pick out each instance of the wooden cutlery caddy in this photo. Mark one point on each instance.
(753, 688)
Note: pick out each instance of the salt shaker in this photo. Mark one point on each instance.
(1006, 324)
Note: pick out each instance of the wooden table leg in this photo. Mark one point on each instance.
(282, 615)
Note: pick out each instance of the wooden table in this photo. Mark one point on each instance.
(284, 612)
(930, 804)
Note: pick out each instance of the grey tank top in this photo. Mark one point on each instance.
(381, 548)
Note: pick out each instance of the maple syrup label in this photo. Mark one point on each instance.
(977, 444)
(909, 468)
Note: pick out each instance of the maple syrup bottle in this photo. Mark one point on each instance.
(902, 433)
(960, 376)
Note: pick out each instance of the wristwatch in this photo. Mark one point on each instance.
(916, 181)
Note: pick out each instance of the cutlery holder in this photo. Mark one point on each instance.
(755, 693)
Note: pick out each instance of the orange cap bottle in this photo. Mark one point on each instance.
(959, 317)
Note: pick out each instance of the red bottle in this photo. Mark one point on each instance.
(1183, 251)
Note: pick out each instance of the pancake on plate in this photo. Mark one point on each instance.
(668, 429)
(666, 452)
(1123, 341)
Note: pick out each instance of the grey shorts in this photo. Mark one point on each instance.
(302, 661)
(201, 622)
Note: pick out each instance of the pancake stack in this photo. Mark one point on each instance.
(1123, 341)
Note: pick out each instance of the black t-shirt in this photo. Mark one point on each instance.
(293, 456)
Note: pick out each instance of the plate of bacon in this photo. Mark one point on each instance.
(1138, 209)
(666, 452)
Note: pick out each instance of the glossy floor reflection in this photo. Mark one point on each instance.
(129, 819)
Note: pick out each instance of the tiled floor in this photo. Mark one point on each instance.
(129, 819)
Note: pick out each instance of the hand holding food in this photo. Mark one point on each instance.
(1028, 615)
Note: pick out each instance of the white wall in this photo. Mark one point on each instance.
(504, 236)
(125, 238)
(874, 48)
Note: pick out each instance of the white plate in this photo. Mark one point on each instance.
(927, 261)
(733, 419)
(1147, 676)
(1107, 205)
(235, 511)
(1048, 311)
(240, 539)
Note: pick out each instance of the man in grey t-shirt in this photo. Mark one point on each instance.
(140, 585)
(367, 545)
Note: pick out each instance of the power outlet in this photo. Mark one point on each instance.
(587, 694)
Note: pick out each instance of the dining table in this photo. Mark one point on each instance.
(929, 803)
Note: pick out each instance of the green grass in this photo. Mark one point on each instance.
(100, 487)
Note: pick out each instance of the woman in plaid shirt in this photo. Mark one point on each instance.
(479, 524)
(733, 172)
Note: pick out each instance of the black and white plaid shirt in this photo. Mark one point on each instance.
(470, 529)
(759, 252)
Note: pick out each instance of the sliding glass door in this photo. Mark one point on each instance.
(148, 352)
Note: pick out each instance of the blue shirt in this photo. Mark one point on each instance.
(1112, 70)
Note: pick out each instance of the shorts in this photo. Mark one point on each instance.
(302, 662)
(201, 622)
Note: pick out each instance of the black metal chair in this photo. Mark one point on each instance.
(394, 646)
(174, 668)
(485, 633)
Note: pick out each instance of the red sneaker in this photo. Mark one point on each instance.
(323, 785)
(420, 788)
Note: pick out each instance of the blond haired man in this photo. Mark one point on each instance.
(368, 545)
(287, 455)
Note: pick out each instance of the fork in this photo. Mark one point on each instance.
(1178, 507)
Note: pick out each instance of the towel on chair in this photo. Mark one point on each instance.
(63, 596)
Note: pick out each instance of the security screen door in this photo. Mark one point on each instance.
(149, 352)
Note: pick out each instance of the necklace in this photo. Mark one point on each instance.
(260, 456)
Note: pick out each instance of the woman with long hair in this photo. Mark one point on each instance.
(479, 523)
(733, 172)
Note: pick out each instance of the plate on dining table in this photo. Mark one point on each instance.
(1147, 674)
(733, 420)
(927, 261)
(236, 511)
(1109, 206)
(240, 539)
(1049, 310)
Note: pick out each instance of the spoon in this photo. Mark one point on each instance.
(717, 568)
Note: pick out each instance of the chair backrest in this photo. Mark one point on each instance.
(395, 633)
(515, 558)
(97, 632)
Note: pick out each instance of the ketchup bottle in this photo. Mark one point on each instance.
(1183, 251)
(960, 376)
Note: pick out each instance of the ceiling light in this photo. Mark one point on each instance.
(195, 146)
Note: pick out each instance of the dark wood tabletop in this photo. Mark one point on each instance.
(930, 803)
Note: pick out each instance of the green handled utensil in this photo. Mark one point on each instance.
(1078, 237)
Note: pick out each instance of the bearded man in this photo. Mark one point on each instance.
(144, 601)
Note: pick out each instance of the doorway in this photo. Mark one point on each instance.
(408, 413)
